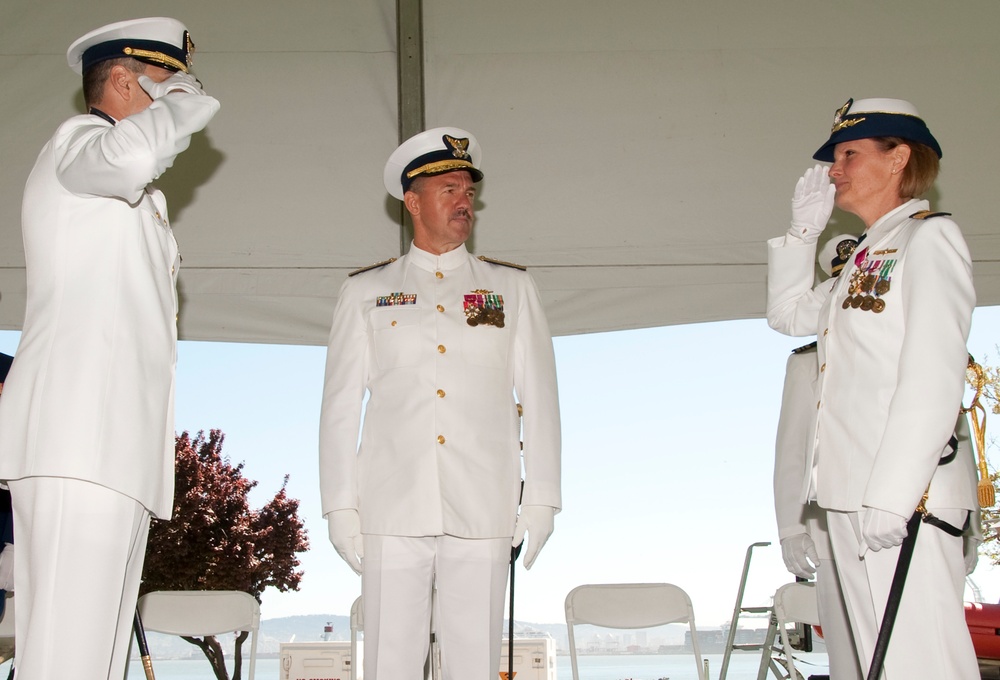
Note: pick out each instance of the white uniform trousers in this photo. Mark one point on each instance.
(843, 655)
(837, 637)
(80, 549)
(930, 638)
(463, 580)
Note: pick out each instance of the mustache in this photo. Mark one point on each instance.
(461, 212)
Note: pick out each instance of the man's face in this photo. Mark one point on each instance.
(442, 209)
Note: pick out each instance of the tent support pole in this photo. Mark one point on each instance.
(410, 77)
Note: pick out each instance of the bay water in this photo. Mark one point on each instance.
(592, 667)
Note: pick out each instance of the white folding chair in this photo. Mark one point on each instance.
(357, 626)
(629, 605)
(794, 603)
(202, 612)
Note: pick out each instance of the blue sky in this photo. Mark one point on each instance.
(668, 437)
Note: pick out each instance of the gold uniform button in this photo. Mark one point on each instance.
(817, 405)
(825, 331)
(393, 323)
(441, 393)
(442, 349)
(439, 275)
(440, 439)
(822, 368)
(440, 308)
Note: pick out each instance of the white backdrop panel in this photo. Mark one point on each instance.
(637, 153)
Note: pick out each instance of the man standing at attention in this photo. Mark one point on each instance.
(86, 420)
(449, 348)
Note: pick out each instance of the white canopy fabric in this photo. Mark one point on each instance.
(637, 153)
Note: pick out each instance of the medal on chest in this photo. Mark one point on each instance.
(484, 308)
(396, 299)
(870, 281)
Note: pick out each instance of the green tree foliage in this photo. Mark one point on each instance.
(215, 541)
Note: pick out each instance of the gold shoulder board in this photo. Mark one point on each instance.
(927, 214)
(372, 266)
(502, 263)
(804, 348)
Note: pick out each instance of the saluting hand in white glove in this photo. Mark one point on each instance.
(178, 82)
(345, 534)
(799, 554)
(812, 204)
(537, 521)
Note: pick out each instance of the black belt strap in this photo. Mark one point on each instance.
(928, 518)
(950, 529)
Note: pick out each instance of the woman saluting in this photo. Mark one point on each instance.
(892, 333)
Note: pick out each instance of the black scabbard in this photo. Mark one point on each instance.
(140, 640)
(514, 552)
(895, 595)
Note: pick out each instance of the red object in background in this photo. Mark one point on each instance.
(984, 627)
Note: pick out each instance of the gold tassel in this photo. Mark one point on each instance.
(977, 378)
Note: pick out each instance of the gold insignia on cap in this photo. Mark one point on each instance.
(189, 49)
(846, 248)
(438, 167)
(850, 122)
(459, 147)
(157, 58)
(838, 118)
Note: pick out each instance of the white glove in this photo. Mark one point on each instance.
(7, 568)
(537, 520)
(812, 204)
(880, 529)
(799, 553)
(345, 534)
(178, 82)
(970, 551)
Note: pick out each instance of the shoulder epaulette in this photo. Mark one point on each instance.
(372, 266)
(804, 348)
(927, 214)
(502, 263)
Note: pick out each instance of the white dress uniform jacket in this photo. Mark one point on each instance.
(796, 423)
(890, 383)
(90, 394)
(440, 450)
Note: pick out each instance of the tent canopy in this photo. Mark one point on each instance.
(637, 154)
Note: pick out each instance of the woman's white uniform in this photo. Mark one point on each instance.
(891, 380)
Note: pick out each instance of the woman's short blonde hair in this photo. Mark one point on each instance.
(921, 170)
